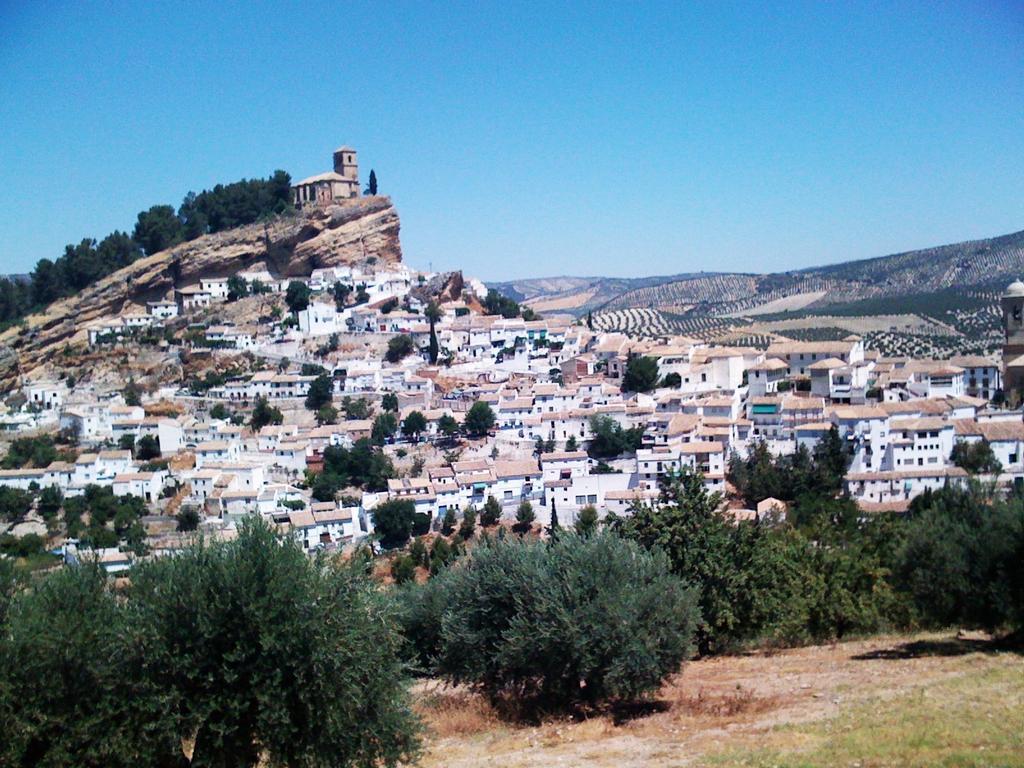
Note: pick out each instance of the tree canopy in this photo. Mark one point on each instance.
(321, 391)
(976, 457)
(398, 347)
(248, 649)
(479, 419)
(554, 624)
(641, 374)
(297, 296)
(414, 424)
(610, 439)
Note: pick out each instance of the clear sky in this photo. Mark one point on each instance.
(535, 139)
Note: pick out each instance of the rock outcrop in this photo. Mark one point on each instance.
(360, 232)
(442, 287)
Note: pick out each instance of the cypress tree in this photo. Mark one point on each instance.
(555, 526)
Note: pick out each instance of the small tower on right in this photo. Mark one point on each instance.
(346, 164)
(1012, 304)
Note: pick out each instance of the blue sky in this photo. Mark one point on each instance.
(535, 139)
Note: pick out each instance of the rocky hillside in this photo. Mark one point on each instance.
(361, 232)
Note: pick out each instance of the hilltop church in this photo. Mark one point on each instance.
(323, 189)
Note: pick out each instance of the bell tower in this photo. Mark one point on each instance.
(346, 164)
(1012, 304)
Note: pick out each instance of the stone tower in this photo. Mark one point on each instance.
(1013, 326)
(346, 164)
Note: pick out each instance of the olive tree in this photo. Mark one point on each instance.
(247, 651)
(574, 620)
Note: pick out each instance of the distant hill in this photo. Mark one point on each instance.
(976, 263)
(580, 294)
(948, 290)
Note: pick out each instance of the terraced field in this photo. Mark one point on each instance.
(940, 301)
(648, 323)
(939, 347)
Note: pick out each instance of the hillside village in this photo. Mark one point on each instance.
(678, 420)
(262, 389)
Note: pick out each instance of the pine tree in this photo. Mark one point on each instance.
(468, 525)
(491, 513)
(448, 522)
(525, 517)
(371, 186)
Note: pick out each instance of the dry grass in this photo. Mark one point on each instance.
(742, 701)
(851, 703)
(453, 712)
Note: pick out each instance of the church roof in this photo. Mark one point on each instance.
(329, 176)
(344, 148)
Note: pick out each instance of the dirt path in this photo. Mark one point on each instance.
(713, 704)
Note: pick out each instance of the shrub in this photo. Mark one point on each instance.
(327, 414)
(419, 554)
(355, 409)
(420, 524)
(554, 624)
(421, 607)
(586, 521)
(398, 347)
(403, 569)
(263, 413)
(147, 448)
(441, 555)
(39, 451)
(188, 519)
(14, 503)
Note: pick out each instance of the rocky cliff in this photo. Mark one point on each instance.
(359, 232)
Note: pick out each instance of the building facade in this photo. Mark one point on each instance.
(325, 188)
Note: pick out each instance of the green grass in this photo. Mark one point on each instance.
(974, 719)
